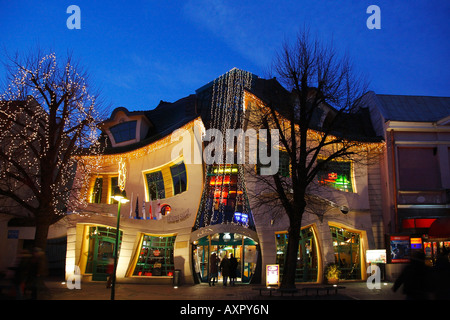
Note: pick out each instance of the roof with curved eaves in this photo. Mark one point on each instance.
(167, 116)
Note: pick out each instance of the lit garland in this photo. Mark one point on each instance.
(226, 112)
(317, 136)
(122, 175)
(33, 126)
(114, 159)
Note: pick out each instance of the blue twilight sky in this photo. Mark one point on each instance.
(141, 52)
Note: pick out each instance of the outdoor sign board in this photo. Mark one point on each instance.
(400, 249)
(376, 256)
(416, 243)
(272, 275)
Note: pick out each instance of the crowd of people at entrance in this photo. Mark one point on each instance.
(228, 268)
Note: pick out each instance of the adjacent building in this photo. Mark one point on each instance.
(415, 173)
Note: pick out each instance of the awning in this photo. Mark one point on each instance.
(440, 228)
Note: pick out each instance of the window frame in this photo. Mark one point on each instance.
(96, 187)
(160, 193)
(146, 259)
(178, 175)
(350, 179)
(122, 132)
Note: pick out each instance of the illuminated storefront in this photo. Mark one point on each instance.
(243, 248)
(347, 252)
(307, 259)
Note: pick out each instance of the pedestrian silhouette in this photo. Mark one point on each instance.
(225, 267)
(37, 273)
(441, 273)
(233, 270)
(21, 270)
(213, 269)
(415, 278)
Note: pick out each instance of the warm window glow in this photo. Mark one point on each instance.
(338, 175)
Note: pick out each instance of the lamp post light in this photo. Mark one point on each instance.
(120, 197)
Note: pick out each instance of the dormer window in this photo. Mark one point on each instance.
(124, 131)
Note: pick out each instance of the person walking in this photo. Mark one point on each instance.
(441, 273)
(213, 271)
(415, 278)
(233, 270)
(21, 271)
(37, 273)
(225, 267)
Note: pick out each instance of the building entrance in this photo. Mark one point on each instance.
(101, 251)
(243, 248)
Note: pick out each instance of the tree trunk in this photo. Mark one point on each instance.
(43, 223)
(290, 266)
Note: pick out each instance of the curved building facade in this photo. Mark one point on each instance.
(183, 208)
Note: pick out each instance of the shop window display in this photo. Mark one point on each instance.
(306, 270)
(155, 257)
(346, 246)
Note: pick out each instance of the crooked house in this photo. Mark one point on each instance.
(181, 210)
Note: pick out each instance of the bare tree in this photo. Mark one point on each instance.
(48, 118)
(313, 114)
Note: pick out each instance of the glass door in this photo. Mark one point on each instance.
(242, 248)
(101, 252)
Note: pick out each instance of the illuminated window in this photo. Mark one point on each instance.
(96, 196)
(156, 256)
(155, 185)
(179, 178)
(346, 246)
(306, 269)
(124, 131)
(336, 174)
(114, 187)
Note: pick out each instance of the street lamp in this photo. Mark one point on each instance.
(120, 197)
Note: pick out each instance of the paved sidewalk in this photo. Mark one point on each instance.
(124, 291)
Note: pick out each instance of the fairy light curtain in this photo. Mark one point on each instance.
(224, 199)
